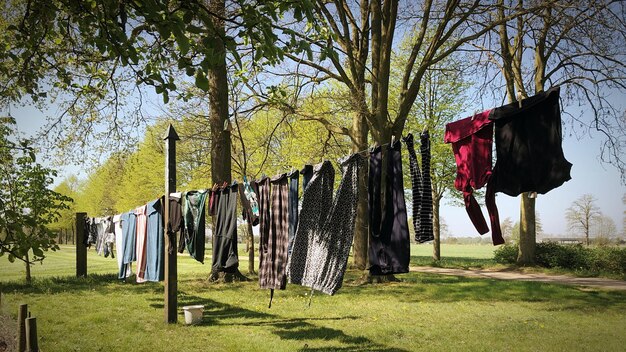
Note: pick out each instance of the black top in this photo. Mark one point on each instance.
(528, 145)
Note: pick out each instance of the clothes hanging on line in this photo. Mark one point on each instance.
(307, 173)
(129, 236)
(389, 249)
(471, 140)
(141, 224)
(529, 148)
(225, 257)
(155, 252)
(294, 178)
(421, 188)
(193, 235)
(123, 269)
(175, 219)
(316, 200)
(247, 197)
(275, 242)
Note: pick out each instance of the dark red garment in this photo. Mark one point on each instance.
(472, 140)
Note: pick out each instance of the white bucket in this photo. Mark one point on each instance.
(193, 314)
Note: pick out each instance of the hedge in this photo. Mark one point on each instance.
(573, 257)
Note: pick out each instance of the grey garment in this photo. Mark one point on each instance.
(316, 200)
(329, 240)
(101, 226)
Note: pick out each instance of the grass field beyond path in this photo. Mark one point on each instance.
(422, 312)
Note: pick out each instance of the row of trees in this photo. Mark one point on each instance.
(96, 58)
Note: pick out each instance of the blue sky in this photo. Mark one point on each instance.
(589, 175)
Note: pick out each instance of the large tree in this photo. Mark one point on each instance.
(95, 58)
(579, 45)
(355, 47)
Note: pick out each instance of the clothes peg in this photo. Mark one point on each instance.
(519, 99)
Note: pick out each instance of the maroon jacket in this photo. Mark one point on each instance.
(472, 140)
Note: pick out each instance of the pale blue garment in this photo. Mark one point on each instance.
(155, 250)
(129, 235)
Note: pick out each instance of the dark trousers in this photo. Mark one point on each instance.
(389, 250)
(293, 206)
(225, 257)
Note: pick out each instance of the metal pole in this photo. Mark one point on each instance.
(171, 274)
(81, 249)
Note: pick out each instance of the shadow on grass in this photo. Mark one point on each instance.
(423, 287)
(305, 330)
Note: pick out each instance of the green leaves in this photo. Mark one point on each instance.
(201, 80)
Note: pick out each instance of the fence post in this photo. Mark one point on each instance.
(81, 249)
(22, 314)
(171, 272)
(31, 336)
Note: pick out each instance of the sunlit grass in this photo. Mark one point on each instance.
(421, 312)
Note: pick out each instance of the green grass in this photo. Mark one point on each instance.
(454, 256)
(423, 312)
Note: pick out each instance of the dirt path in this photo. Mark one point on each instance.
(513, 275)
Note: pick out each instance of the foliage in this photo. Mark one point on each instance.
(27, 205)
(572, 257)
(69, 188)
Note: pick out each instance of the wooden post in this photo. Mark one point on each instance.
(171, 274)
(31, 336)
(81, 249)
(22, 314)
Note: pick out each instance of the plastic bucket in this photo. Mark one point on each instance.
(193, 314)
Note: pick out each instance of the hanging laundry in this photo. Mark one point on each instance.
(293, 206)
(100, 226)
(262, 189)
(142, 223)
(109, 237)
(123, 271)
(247, 196)
(90, 232)
(317, 199)
(225, 257)
(528, 145)
(193, 236)
(421, 182)
(155, 252)
(426, 210)
(273, 251)
(471, 140)
(175, 222)
(129, 236)
(326, 257)
(389, 249)
(251, 198)
(307, 173)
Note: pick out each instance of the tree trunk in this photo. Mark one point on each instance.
(28, 277)
(436, 228)
(527, 235)
(360, 246)
(218, 101)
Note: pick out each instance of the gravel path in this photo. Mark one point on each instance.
(595, 282)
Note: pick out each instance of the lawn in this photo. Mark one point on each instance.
(421, 312)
